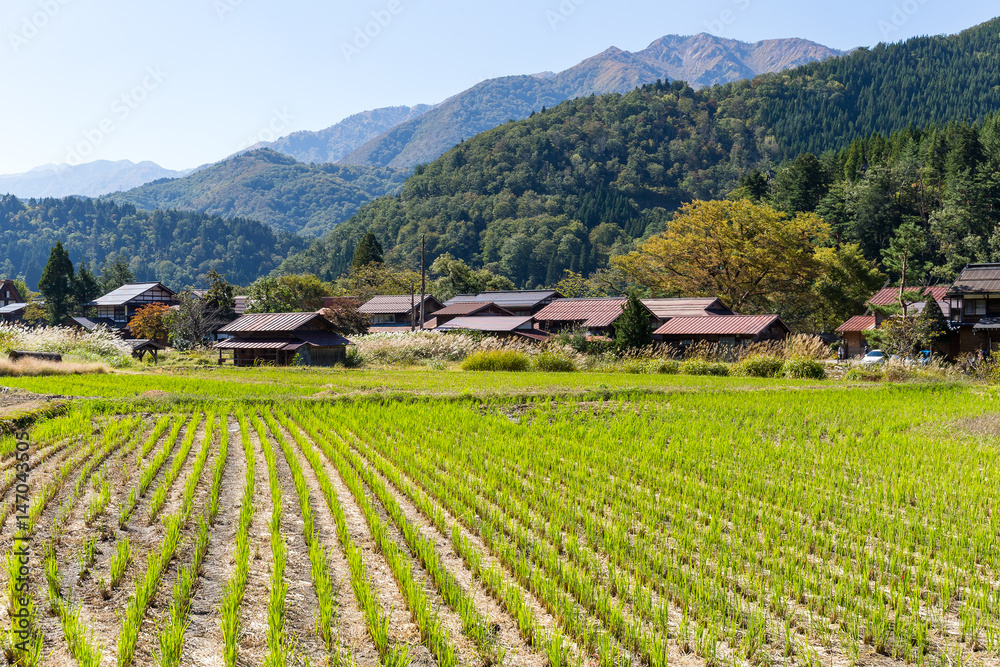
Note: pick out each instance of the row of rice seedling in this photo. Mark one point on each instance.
(279, 646)
(150, 470)
(16, 471)
(160, 495)
(156, 562)
(432, 634)
(376, 620)
(474, 625)
(235, 588)
(171, 636)
(493, 578)
(561, 587)
(825, 593)
(317, 555)
(83, 646)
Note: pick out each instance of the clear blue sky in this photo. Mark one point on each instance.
(185, 82)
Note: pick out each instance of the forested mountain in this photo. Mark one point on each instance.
(702, 60)
(336, 141)
(307, 199)
(174, 247)
(91, 179)
(567, 188)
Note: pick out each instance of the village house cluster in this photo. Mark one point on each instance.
(971, 307)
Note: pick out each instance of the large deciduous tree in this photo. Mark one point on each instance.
(752, 256)
(151, 321)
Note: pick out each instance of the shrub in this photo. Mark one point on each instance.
(759, 366)
(553, 362)
(496, 360)
(635, 366)
(865, 374)
(703, 367)
(667, 366)
(353, 357)
(804, 368)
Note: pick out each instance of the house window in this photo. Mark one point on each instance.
(384, 318)
(975, 308)
(119, 313)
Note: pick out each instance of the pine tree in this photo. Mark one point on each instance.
(632, 330)
(57, 285)
(369, 251)
(86, 286)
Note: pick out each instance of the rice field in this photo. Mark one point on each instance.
(712, 526)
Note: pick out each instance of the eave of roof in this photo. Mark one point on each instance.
(724, 325)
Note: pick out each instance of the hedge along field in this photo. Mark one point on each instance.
(817, 527)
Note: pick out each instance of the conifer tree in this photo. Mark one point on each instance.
(632, 330)
(57, 285)
(369, 251)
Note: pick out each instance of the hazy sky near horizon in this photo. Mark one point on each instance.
(187, 82)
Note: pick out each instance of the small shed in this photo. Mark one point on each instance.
(853, 333)
(143, 346)
(277, 338)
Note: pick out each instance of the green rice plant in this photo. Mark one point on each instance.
(99, 501)
(497, 361)
(232, 595)
(160, 497)
(120, 561)
(149, 471)
(703, 367)
(89, 553)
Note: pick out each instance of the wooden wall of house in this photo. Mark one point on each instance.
(322, 356)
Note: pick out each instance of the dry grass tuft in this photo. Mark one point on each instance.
(36, 368)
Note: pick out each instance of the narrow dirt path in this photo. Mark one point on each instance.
(253, 615)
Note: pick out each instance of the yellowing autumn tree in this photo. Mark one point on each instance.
(752, 256)
(150, 321)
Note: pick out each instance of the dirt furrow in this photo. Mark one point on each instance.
(203, 641)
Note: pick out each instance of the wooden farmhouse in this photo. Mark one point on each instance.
(12, 304)
(119, 306)
(974, 310)
(389, 313)
(277, 338)
(598, 316)
(728, 330)
(852, 332)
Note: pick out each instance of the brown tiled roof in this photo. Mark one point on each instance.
(724, 325)
(977, 278)
(397, 304)
(890, 295)
(857, 323)
(588, 312)
(286, 322)
(700, 307)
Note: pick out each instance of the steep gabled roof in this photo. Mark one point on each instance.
(127, 293)
(724, 325)
(977, 278)
(588, 313)
(696, 307)
(890, 295)
(856, 324)
(267, 322)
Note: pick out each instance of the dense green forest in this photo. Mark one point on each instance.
(307, 199)
(569, 187)
(177, 248)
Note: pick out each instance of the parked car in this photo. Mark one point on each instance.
(872, 358)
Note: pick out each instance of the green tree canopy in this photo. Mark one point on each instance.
(57, 285)
(632, 330)
(369, 251)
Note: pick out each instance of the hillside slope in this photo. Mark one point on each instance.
(305, 199)
(565, 188)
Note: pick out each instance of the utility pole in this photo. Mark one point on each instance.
(413, 307)
(423, 281)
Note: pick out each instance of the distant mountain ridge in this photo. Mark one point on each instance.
(701, 60)
(272, 188)
(92, 179)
